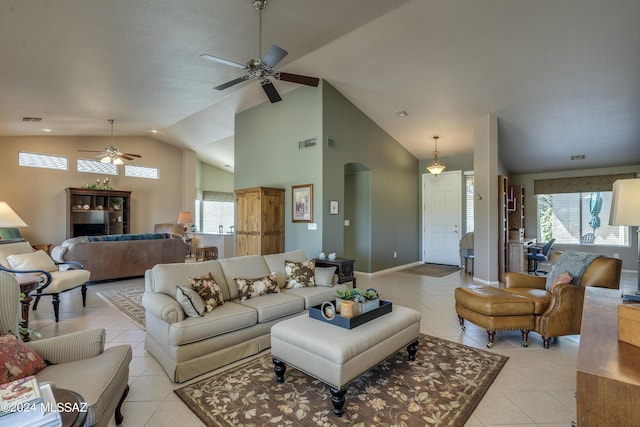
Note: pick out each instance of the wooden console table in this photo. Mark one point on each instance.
(608, 378)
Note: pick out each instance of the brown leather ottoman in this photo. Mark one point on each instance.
(495, 310)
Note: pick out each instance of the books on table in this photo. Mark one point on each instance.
(26, 403)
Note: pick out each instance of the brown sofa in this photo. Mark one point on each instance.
(118, 259)
(524, 303)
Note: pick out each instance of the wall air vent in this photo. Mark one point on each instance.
(332, 143)
(578, 157)
(32, 119)
(307, 143)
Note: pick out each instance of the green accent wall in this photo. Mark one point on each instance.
(355, 162)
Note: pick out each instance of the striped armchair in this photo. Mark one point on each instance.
(76, 361)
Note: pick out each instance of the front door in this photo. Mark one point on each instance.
(442, 217)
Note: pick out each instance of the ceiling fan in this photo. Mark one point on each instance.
(262, 69)
(112, 154)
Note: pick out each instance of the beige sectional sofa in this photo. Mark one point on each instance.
(190, 346)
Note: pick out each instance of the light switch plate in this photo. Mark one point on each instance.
(347, 223)
(312, 226)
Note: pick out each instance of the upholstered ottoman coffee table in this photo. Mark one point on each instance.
(495, 310)
(335, 355)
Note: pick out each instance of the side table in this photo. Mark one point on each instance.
(27, 285)
(344, 269)
(74, 405)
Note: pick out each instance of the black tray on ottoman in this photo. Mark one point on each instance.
(350, 323)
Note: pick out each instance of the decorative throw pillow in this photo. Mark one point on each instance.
(208, 290)
(300, 274)
(38, 260)
(564, 277)
(250, 288)
(17, 360)
(324, 276)
(190, 301)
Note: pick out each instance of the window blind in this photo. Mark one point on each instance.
(582, 184)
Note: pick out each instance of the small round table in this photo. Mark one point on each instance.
(27, 284)
(75, 407)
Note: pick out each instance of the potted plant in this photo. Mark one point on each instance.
(364, 301)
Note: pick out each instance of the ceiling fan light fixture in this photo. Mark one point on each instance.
(436, 168)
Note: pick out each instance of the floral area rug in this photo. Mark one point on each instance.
(434, 270)
(442, 387)
(128, 301)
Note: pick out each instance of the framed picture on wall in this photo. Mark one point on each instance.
(302, 203)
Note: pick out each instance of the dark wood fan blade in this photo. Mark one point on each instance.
(124, 156)
(270, 90)
(297, 78)
(274, 56)
(231, 83)
(223, 61)
(133, 155)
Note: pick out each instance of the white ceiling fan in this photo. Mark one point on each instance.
(263, 69)
(112, 154)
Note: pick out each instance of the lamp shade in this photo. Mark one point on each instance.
(625, 204)
(185, 217)
(8, 218)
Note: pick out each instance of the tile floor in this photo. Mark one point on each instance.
(535, 388)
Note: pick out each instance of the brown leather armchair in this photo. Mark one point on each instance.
(559, 312)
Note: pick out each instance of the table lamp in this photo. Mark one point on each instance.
(186, 219)
(10, 219)
(625, 208)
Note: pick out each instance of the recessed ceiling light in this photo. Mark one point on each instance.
(401, 114)
(46, 130)
(153, 131)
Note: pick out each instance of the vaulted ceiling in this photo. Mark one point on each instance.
(563, 76)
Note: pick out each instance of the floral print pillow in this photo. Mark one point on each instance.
(300, 274)
(208, 290)
(250, 288)
(17, 360)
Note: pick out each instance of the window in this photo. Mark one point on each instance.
(469, 198)
(43, 161)
(141, 172)
(218, 209)
(579, 219)
(93, 166)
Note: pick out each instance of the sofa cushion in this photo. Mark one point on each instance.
(226, 318)
(316, 295)
(324, 276)
(165, 277)
(252, 288)
(190, 301)
(245, 266)
(207, 288)
(300, 274)
(275, 263)
(275, 305)
(38, 260)
(17, 360)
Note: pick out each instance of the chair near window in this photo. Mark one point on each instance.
(539, 254)
(588, 239)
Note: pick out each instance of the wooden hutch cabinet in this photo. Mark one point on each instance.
(259, 221)
(97, 212)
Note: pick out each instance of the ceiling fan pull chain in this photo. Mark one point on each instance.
(260, 34)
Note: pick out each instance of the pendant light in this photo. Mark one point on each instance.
(436, 167)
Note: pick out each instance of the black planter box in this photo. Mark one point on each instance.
(350, 323)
